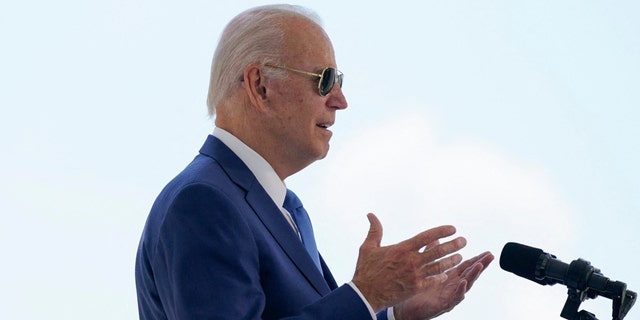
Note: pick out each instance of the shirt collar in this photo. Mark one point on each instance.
(261, 169)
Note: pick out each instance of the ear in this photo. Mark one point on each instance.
(255, 86)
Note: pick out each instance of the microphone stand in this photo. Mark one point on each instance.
(570, 310)
(582, 286)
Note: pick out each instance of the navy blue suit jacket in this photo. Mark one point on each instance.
(215, 246)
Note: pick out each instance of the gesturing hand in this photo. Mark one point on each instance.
(391, 274)
(443, 296)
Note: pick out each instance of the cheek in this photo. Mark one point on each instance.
(290, 99)
(294, 105)
(298, 109)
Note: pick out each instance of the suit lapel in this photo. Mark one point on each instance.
(288, 240)
(267, 212)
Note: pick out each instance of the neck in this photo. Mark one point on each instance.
(252, 134)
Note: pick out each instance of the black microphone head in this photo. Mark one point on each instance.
(521, 260)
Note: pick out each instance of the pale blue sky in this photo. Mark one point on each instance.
(516, 121)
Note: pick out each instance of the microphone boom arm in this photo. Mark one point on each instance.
(582, 286)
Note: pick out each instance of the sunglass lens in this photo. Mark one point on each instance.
(327, 81)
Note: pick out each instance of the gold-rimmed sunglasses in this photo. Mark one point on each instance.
(328, 77)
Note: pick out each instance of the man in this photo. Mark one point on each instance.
(221, 240)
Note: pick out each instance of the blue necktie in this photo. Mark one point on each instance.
(293, 204)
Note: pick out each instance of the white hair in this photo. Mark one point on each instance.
(253, 36)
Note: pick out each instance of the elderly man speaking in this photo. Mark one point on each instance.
(226, 239)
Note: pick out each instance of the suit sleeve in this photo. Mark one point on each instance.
(206, 264)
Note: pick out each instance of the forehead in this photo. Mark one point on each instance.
(307, 44)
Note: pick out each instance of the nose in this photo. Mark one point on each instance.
(337, 100)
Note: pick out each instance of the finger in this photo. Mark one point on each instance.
(374, 236)
(483, 259)
(461, 289)
(474, 273)
(463, 268)
(434, 280)
(441, 266)
(426, 237)
(431, 245)
(486, 259)
(444, 249)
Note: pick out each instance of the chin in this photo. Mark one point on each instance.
(319, 150)
(324, 153)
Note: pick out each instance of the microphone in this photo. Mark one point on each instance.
(545, 269)
(583, 280)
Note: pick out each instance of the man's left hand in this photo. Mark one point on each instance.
(444, 296)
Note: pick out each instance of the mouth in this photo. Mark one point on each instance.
(324, 125)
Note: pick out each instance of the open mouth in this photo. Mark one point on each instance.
(324, 125)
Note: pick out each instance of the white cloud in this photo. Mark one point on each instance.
(412, 180)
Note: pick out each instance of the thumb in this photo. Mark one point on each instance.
(374, 237)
